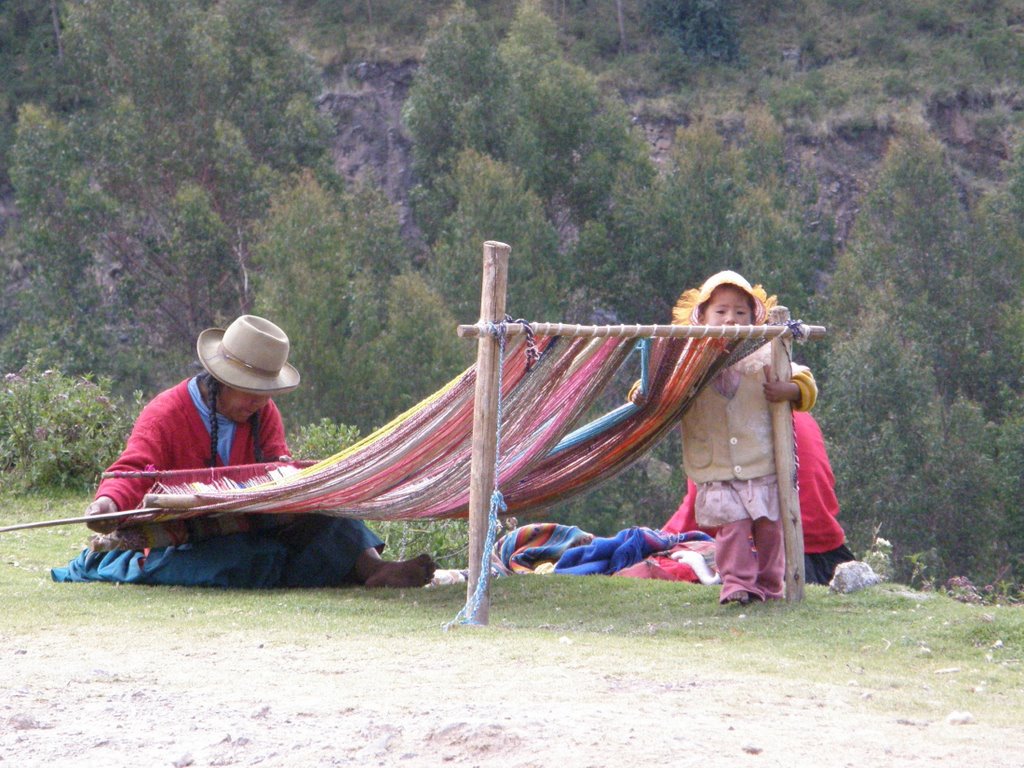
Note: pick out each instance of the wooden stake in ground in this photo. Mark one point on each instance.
(785, 462)
(485, 419)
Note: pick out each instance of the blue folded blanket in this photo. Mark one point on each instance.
(626, 548)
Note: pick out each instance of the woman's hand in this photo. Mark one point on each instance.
(104, 505)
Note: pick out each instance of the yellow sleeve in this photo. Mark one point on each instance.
(804, 379)
(633, 392)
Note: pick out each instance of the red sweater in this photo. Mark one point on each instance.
(818, 503)
(170, 434)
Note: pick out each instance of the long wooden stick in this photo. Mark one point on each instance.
(164, 473)
(485, 423)
(120, 515)
(648, 331)
(785, 465)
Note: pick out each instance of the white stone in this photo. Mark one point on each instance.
(852, 576)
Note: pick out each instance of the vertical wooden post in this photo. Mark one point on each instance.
(785, 463)
(485, 418)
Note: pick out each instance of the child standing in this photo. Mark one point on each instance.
(727, 443)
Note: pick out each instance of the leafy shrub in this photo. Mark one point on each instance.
(322, 439)
(996, 48)
(446, 540)
(898, 86)
(933, 19)
(879, 557)
(58, 431)
(794, 100)
(702, 29)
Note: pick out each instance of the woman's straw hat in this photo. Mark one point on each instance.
(688, 306)
(251, 355)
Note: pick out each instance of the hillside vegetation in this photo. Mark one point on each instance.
(170, 164)
(827, 69)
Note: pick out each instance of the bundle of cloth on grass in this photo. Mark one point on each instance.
(636, 552)
(417, 466)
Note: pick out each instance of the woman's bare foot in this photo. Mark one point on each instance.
(401, 573)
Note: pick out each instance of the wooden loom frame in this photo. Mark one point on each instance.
(485, 416)
(485, 419)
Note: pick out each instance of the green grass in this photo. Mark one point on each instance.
(896, 643)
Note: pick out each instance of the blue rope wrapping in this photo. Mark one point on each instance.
(471, 610)
(645, 361)
(798, 330)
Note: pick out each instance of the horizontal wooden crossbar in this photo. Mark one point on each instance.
(649, 331)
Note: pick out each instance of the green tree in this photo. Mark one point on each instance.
(416, 354)
(715, 206)
(909, 467)
(492, 203)
(570, 141)
(909, 397)
(524, 104)
(191, 114)
(1008, 558)
(325, 260)
(31, 64)
(63, 219)
(965, 517)
(999, 252)
(458, 101)
(878, 416)
(997, 245)
(701, 29)
(911, 255)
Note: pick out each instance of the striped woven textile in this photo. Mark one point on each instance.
(418, 465)
(537, 544)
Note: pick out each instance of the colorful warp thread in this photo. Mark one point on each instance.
(417, 466)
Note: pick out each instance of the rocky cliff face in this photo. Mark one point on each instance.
(371, 143)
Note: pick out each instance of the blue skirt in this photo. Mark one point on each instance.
(319, 551)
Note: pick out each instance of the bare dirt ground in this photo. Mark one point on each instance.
(111, 698)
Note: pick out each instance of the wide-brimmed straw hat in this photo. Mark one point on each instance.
(251, 355)
(688, 305)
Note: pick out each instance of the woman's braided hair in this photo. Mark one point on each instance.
(212, 387)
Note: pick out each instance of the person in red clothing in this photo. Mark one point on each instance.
(225, 416)
(824, 538)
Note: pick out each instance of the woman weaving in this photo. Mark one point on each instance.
(225, 416)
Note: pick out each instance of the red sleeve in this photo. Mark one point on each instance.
(169, 434)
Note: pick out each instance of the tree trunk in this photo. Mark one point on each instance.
(55, 18)
(622, 26)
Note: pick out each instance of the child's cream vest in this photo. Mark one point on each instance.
(731, 439)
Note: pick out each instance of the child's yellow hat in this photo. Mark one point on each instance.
(688, 305)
